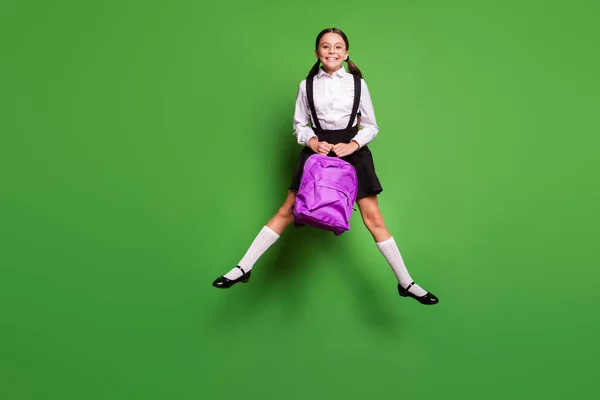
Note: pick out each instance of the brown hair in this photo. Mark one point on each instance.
(351, 66)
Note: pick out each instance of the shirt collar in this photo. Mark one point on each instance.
(340, 72)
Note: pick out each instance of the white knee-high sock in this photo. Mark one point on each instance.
(265, 238)
(391, 253)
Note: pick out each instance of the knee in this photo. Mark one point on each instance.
(285, 212)
(373, 221)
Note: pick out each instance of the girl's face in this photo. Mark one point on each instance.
(331, 52)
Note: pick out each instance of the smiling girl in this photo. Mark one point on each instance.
(326, 101)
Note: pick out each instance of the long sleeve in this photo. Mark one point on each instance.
(370, 129)
(302, 131)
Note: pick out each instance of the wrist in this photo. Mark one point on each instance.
(357, 144)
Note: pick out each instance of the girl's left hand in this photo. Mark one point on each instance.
(345, 149)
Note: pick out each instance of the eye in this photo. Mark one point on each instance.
(339, 48)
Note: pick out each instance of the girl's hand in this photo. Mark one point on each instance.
(345, 149)
(320, 147)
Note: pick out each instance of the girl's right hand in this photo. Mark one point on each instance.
(320, 147)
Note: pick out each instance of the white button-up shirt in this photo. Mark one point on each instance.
(333, 98)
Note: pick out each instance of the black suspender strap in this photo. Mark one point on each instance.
(311, 102)
(357, 88)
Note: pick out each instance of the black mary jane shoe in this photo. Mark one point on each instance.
(224, 283)
(428, 299)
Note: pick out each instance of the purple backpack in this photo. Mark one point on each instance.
(326, 195)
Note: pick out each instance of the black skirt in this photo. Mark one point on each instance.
(362, 160)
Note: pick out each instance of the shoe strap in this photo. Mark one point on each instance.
(409, 286)
(243, 272)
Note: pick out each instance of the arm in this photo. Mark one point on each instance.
(368, 121)
(302, 131)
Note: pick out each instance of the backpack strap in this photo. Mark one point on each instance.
(311, 102)
(357, 88)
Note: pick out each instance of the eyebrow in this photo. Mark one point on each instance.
(330, 43)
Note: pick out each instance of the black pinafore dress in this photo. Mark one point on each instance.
(361, 160)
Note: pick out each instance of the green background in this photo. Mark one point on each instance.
(144, 144)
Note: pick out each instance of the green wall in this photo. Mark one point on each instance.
(144, 144)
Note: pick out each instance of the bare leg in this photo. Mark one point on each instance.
(372, 218)
(283, 217)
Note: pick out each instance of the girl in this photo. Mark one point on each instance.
(326, 100)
